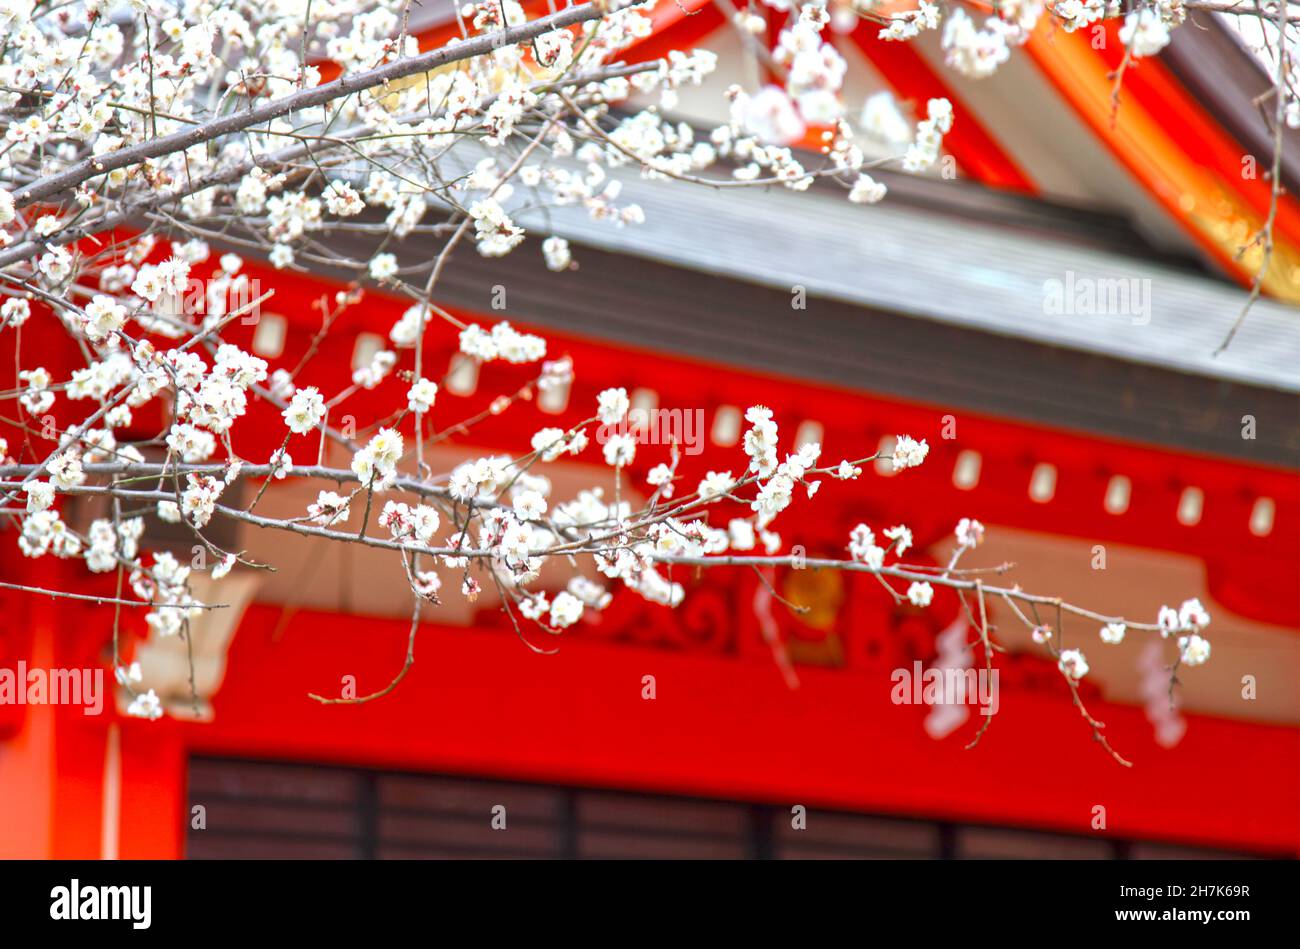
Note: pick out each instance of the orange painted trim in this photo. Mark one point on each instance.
(1213, 206)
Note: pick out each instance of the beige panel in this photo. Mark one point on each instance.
(1136, 583)
(350, 578)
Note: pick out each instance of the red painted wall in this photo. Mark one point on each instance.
(477, 702)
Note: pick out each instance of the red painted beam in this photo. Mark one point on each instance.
(1175, 150)
(1150, 82)
(676, 25)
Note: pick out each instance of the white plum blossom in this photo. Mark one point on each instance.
(529, 505)
(565, 610)
(760, 441)
(479, 478)
(328, 508)
(911, 23)
(406, 331)
(715, 484)
(104, 316)
(65, 470)
(620, 450)
(376, 371)
(920, 593)
(14, 312)
(972, 51)
(477, 342)
(924, 150)
(1072, 663)
(281, 256)
(40, 495)
(1113, 633)
(383, 266)
(101, 549)
(774, 496)
(495, 234)
(1168, 621)
(1192, 616)
(970, 532)
(305, 410)
(128, 674)
(342, 199)
(866, 190)
(191, 443)
(863, 548)
(404, 522)
(502, 342)
(901, 536)
(376, 463)
(534, 607)
(199, 500)
(909, 453)
(1144, 32)
(1075, 14)
(38, 398)
(281, 464)
(660, 477)
(146, 705)
(420, 397)
(44, 532)
(740, 534)
(612, 406)
(556, 252)
(550, 443)
(592, 594)
(771, 116)
(426, 584)
(1193, 650)
(224, 567)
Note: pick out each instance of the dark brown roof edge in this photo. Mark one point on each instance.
(1226, 79)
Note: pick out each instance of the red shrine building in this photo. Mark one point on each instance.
(1112, 457)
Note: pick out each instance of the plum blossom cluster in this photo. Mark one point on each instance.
(1186, 624)
(165, 583)
(470, 152)
(978, 50)
(494, 521)
(501, 342)
(1146, 29)
(86, 81)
